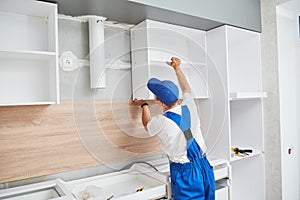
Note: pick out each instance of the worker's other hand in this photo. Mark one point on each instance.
(138, 101)
(175, 63)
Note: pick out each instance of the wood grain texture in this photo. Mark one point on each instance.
(47, 139)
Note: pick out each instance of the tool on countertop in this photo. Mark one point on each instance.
(140, 189)
(241, 152)
(109, 198)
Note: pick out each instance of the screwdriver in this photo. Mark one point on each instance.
(238, 151)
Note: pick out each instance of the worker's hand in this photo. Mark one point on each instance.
(138, 102)
(175, 63)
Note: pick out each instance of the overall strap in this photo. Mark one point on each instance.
(183, 121)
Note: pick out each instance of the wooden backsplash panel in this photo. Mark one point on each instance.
(47, 139)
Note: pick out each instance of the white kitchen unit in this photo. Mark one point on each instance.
(153, 43)
(28, 53)
(235, 85)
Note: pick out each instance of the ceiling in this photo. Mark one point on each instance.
(124, 11)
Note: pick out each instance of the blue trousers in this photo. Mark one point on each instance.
(193, 180)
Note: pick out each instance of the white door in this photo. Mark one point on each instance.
(289, 93)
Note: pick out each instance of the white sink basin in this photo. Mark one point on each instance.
(42, 191)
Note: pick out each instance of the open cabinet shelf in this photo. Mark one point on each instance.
(235, 84)
(153, 43)
(28, 53)
(246, 121)
(244, 62)
(246, 178)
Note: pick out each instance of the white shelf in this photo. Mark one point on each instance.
(238, 158)
(27, 55)
(216, 161)
(28, 103)
(247, 95)
(184, 64)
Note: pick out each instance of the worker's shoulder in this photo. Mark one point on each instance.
(159, 120)
(157, 125)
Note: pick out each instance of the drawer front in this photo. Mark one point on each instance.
(221, 173)
(222, 193)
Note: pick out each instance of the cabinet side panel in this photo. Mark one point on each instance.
(140, 62)
(52, 31)
(53, 46)
(214, 112)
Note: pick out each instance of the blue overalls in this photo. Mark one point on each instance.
(195, 179)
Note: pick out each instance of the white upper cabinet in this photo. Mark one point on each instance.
(153, 43)
(28, 53)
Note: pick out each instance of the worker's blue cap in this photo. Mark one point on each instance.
(166, 91)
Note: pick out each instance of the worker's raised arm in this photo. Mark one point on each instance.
(183, 83)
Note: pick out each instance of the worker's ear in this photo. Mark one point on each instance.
(165, 106)
(161, 103)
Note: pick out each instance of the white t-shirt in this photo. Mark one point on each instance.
(172, 139)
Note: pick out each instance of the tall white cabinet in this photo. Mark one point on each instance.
(28, 53)
(235, 81)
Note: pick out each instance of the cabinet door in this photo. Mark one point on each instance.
(222, 193)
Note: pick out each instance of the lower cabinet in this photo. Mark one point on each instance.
(139, 182)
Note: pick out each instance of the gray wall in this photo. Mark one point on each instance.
(74, 36)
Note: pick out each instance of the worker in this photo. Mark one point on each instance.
(178, 130)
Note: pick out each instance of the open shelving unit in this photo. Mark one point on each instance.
(28, 53)
(235, 83)
(247, 176)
